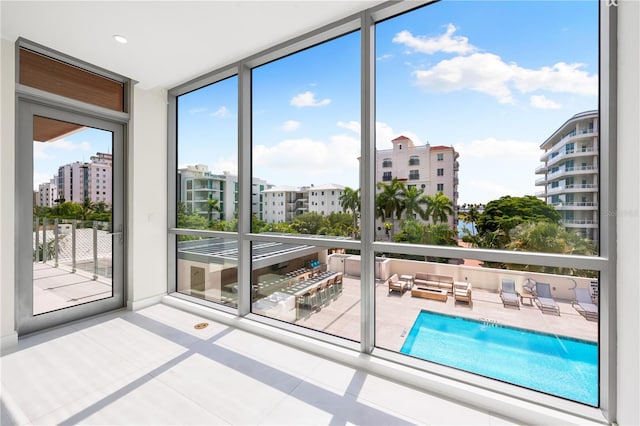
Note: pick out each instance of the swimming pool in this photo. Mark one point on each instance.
(556, 365)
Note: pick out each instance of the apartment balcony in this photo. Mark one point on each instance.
(579, 223)
(575, 205)
(586, 152)
(541, 169)
(541, 181)
(456, 166)
(573, 171)
(581, 133)
(572, 189)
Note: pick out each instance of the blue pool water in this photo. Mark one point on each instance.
(556, 365)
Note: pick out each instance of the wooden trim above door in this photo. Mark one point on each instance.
(51, 75)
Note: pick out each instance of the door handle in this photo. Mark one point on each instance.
(119, 232)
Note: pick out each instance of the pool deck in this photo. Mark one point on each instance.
(396, 313)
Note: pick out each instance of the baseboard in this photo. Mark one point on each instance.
(8, 343)
(145, 303)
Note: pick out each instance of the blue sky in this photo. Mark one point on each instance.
(492, 79)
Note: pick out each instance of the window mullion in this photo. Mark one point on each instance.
(244, 189)
(367, 179)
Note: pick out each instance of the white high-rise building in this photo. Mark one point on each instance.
(47, 193)
(196, 184)
(80, 180)
(570, 173)
(284, 203)
(430, 168)
(99, 178)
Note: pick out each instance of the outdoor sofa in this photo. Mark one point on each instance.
(424, 279)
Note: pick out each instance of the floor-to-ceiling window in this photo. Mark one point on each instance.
(305, 149)
(404, 179)
(207, 192)
(487, 103)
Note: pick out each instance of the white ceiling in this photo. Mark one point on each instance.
(169, 42)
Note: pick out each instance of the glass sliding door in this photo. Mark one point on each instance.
(71, 234)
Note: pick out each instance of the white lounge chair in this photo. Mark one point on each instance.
(545, 300)
(587, 308)
(508, 294)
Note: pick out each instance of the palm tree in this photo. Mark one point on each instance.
(350, 200)
(87, 208)
(413, 200)
(439, 207)
(212, 205)
(471, 216)
(390, 200)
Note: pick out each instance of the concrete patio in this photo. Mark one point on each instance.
(396, 313)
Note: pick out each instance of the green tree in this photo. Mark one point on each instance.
(282, 227)
(412, 232)
(390, 198)
(308, 223)
(546, 237)
(257, 224)
(100, 207)
(508, 212)
(413, 199)
(190, 220)
(439, 208)
(338, 224)
(350, 201)
(471, 216)
(87, 208)
(212, 206)
(41, 211)
(67, 210)
(440, 234)
(389, 201)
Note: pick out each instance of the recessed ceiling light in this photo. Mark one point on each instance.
(120, 39)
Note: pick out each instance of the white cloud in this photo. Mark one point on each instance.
(488, 73)
(446, 42)
(225, 164)
(305, 161)
(46, 150)
(541, 101)
(482, 72)
(383, 57)
(39, 178)
(222, 112)
(307, 99)
(354, 126)
(499, 149)
(491, 189)
(491, 168)
(290, 125)
(561, 77)
(384, 133)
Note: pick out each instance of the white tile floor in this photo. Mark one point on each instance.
(151, 367)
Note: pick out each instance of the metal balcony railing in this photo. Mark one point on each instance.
(76, 244)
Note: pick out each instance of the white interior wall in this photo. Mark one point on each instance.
(147, 198)
(8, 335)
(628, 214)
